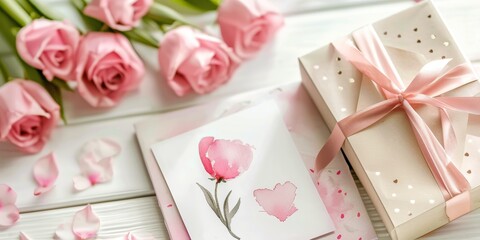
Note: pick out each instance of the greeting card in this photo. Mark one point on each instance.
(241, 177)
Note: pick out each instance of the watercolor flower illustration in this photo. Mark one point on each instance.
(223, 160)
(279, 201)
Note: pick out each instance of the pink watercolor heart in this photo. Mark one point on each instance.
(278, 202)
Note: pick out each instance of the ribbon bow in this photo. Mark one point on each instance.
(426, 88)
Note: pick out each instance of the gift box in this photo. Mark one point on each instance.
(397, 94)
(335, 186)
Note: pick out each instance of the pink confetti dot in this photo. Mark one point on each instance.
(338, 172)
(339, 191)
(339, 236)
(342, 216)
(311, 170)
(358, 214)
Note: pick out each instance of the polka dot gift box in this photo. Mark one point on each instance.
(397, 95)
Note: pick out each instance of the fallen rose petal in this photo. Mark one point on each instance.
(130, 236)
(100, 149)
(45, 172)
(24, 236)
(9, 213)
(64, 232)
(81, 183)
(7, 195)
(85, 223)
(93, 172)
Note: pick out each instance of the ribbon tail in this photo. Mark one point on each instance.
(450, 180)
(449, 137)
(330, 149)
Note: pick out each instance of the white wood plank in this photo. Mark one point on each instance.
(140, 216)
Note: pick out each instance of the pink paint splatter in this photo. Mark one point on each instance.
(311, 170)
(339, 236)
(278, 202)
(358, 214)
(345, 193)
(339, 191)
(342, 216)
(338, 172)
(360, 238)
(169, 205)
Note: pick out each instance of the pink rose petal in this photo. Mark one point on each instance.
(23, 236)
(81, 183)
(96, 163)
(93, 172)
(9, 213)
(45, 172)
(7, 195)
(278, 202)
(100, 149)
(64, 232)
(130, 236)
(85, 223)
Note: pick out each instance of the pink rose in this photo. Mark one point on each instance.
(107, 68)
(49, 46)
(247, 25)
(27, 115)
(121, 15)
(191, 60)
(224, 159)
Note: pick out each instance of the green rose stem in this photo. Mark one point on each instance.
(15, 11)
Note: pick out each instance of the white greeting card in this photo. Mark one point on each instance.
(241, 177)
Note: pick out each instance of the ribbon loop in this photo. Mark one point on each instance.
(372, 60)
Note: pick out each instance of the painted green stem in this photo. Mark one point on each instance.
(224, 220)
(217, 203)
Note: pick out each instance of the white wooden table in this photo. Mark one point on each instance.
(128, 202)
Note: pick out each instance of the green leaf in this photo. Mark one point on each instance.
(62, 84)
(164, 14)
(90, 23)
(142, 37)
(44, 10)
(7, 29)
(16, 12)
(56, 94)
(234, 211)
(4, 71)
(202, 5)
(210, 200)
(226, 210)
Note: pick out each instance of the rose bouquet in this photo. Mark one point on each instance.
(96, 58)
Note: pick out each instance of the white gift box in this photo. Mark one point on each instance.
(386, 156)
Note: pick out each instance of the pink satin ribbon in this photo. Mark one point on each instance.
(430, 83)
